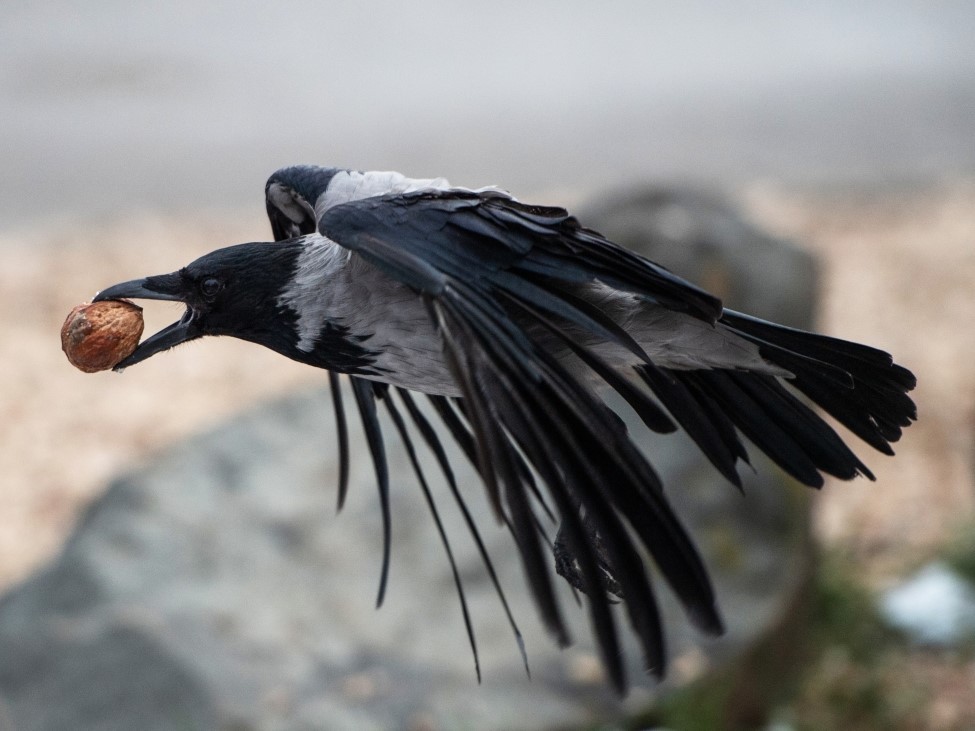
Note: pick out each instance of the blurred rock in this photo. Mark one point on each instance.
(704, 239)
(934, 607)
(215, 588)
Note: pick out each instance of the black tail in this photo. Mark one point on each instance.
(860, 386)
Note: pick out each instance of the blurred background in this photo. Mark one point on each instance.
(108, 106)
(135, 137)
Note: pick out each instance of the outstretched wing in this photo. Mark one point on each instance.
(497, 276)
(483, 263)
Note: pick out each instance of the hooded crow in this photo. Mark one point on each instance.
(507, 317)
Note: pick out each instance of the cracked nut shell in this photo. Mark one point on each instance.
(97, 336)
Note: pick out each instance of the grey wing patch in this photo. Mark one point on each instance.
(671, 339)
(679, 341)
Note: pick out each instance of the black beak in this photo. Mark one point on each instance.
(165, 287)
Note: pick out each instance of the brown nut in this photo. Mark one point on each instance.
(98, 336)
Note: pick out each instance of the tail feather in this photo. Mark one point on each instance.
(779, 424)
(858, 385)
(874, 405)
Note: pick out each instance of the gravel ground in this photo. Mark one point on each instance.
(898, 268)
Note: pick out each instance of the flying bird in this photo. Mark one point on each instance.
(511, 319)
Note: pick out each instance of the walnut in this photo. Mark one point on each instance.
(97, 336)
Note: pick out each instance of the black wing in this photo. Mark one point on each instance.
(481, 262)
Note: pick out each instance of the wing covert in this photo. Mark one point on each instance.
(474, 234)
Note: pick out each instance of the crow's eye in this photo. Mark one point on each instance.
(210, 286)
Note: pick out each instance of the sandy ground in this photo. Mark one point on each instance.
(898, 271)
(65, 433)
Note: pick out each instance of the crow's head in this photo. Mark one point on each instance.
(233, 291)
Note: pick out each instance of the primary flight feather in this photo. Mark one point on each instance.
(509, 317)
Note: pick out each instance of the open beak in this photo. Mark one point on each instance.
(165, 287)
